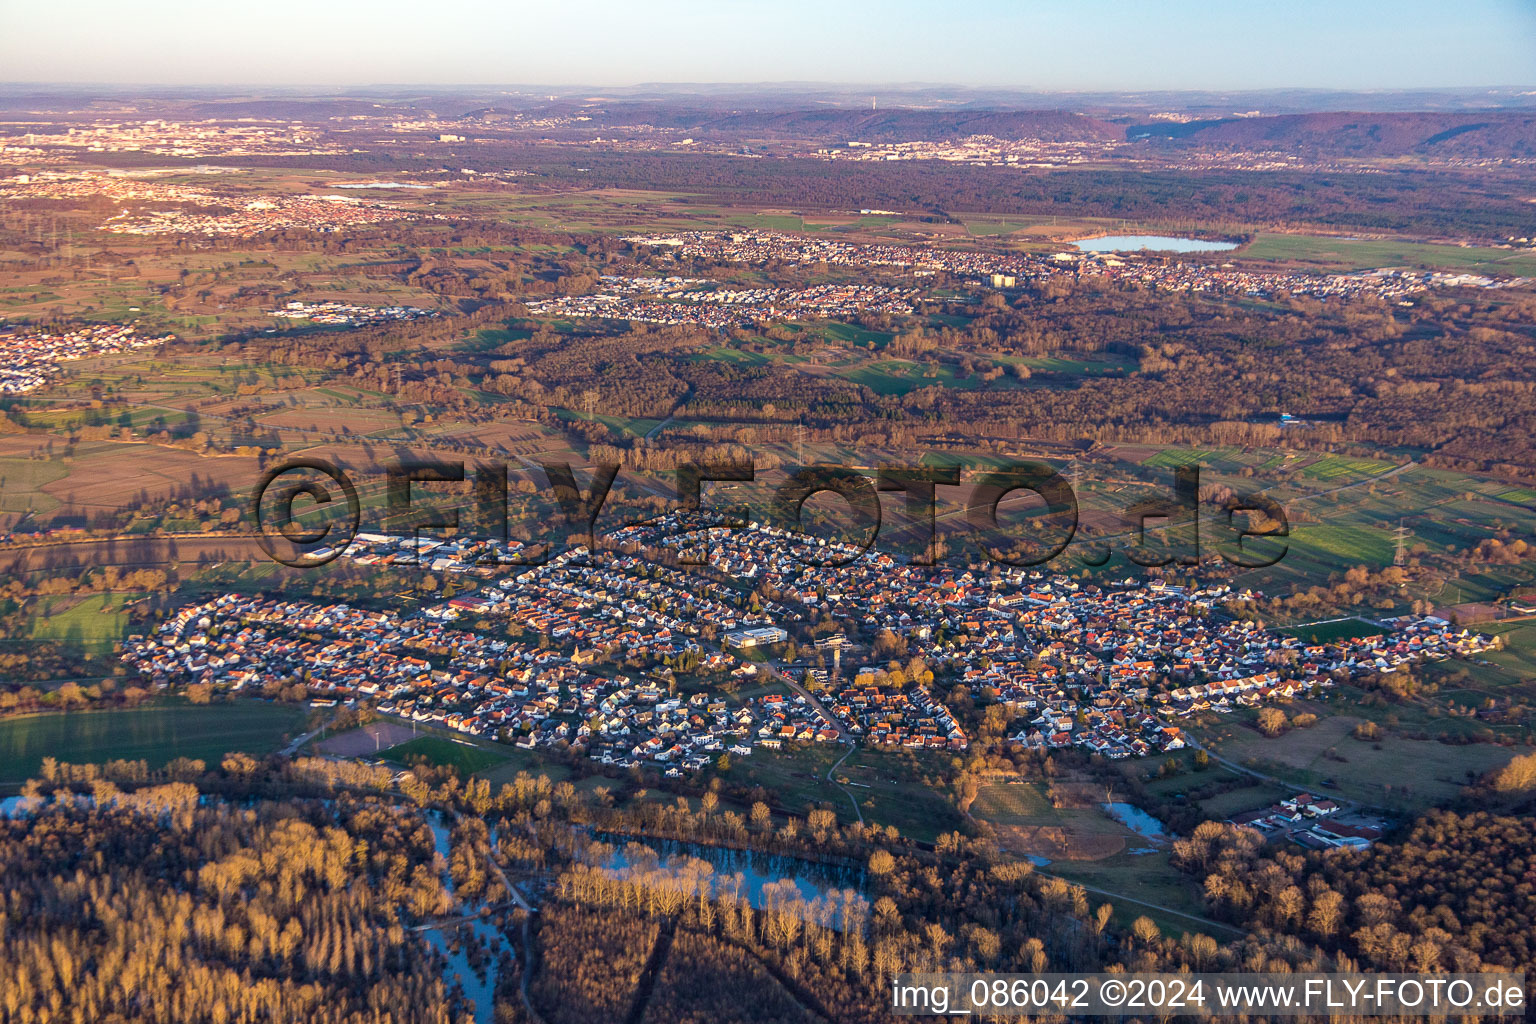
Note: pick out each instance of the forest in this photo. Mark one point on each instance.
(297, 891)
(1456, 893)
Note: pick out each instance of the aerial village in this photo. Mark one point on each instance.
(29, 358)
(632, 662)
(1152, 270)
(145, 206)
(676, 300)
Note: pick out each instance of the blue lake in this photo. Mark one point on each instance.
(1156, 243)
(1137, 820)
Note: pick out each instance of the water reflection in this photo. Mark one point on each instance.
(1155, 243)
(828, 894)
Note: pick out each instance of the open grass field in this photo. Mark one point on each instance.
(1370, 254)
(438, 750)
(94, 622)
(1246, 798)
(889, 788)
(1145, 876)
(1519, 496)
(1172, 458)
(1027, 823)
(1341, 545)
(1510, 672)
(155, 734)
(514, 762)
(1396, 774)
(1009, 804)
(1332, 468)
(797, 774)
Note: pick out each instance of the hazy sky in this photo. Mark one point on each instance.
(1054, 44)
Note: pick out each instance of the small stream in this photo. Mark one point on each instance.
(481, 988)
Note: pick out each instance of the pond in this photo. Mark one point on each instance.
(1155, 243)
(479, 985)
(1137, 820)
(755, 876)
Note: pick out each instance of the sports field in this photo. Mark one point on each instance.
(467, 759)
(1340, 629)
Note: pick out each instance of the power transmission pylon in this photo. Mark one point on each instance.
(1401, 534)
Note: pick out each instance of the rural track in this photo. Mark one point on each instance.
(652, 971)
(852, 746)
(1276, 780)
(1233, 929)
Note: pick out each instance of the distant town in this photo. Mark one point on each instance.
(30, 358)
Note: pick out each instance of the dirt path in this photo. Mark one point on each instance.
(851, 798)
(1205, 921)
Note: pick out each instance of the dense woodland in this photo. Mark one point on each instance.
(160, 909)
(1450, 374)
(234, 894)
(1458, 892)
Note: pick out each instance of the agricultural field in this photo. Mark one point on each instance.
(156, 734)
(95, 622)
(1060, 825)
(1339, 629)
(1370, 254)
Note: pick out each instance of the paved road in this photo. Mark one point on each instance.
(821, 712)
(299, 741)
(826, 716)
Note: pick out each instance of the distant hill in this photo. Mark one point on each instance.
(1341, 134)
(837, 124)
(921, 125)
(1474, 134)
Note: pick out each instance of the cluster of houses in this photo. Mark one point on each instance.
(790, 718)
(900, 716)
(29, 358)
(1110, 669)
(977, 151)
(347, 314)
(1150, 270)
(419, 669)
(275, 212)
(677, 300)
